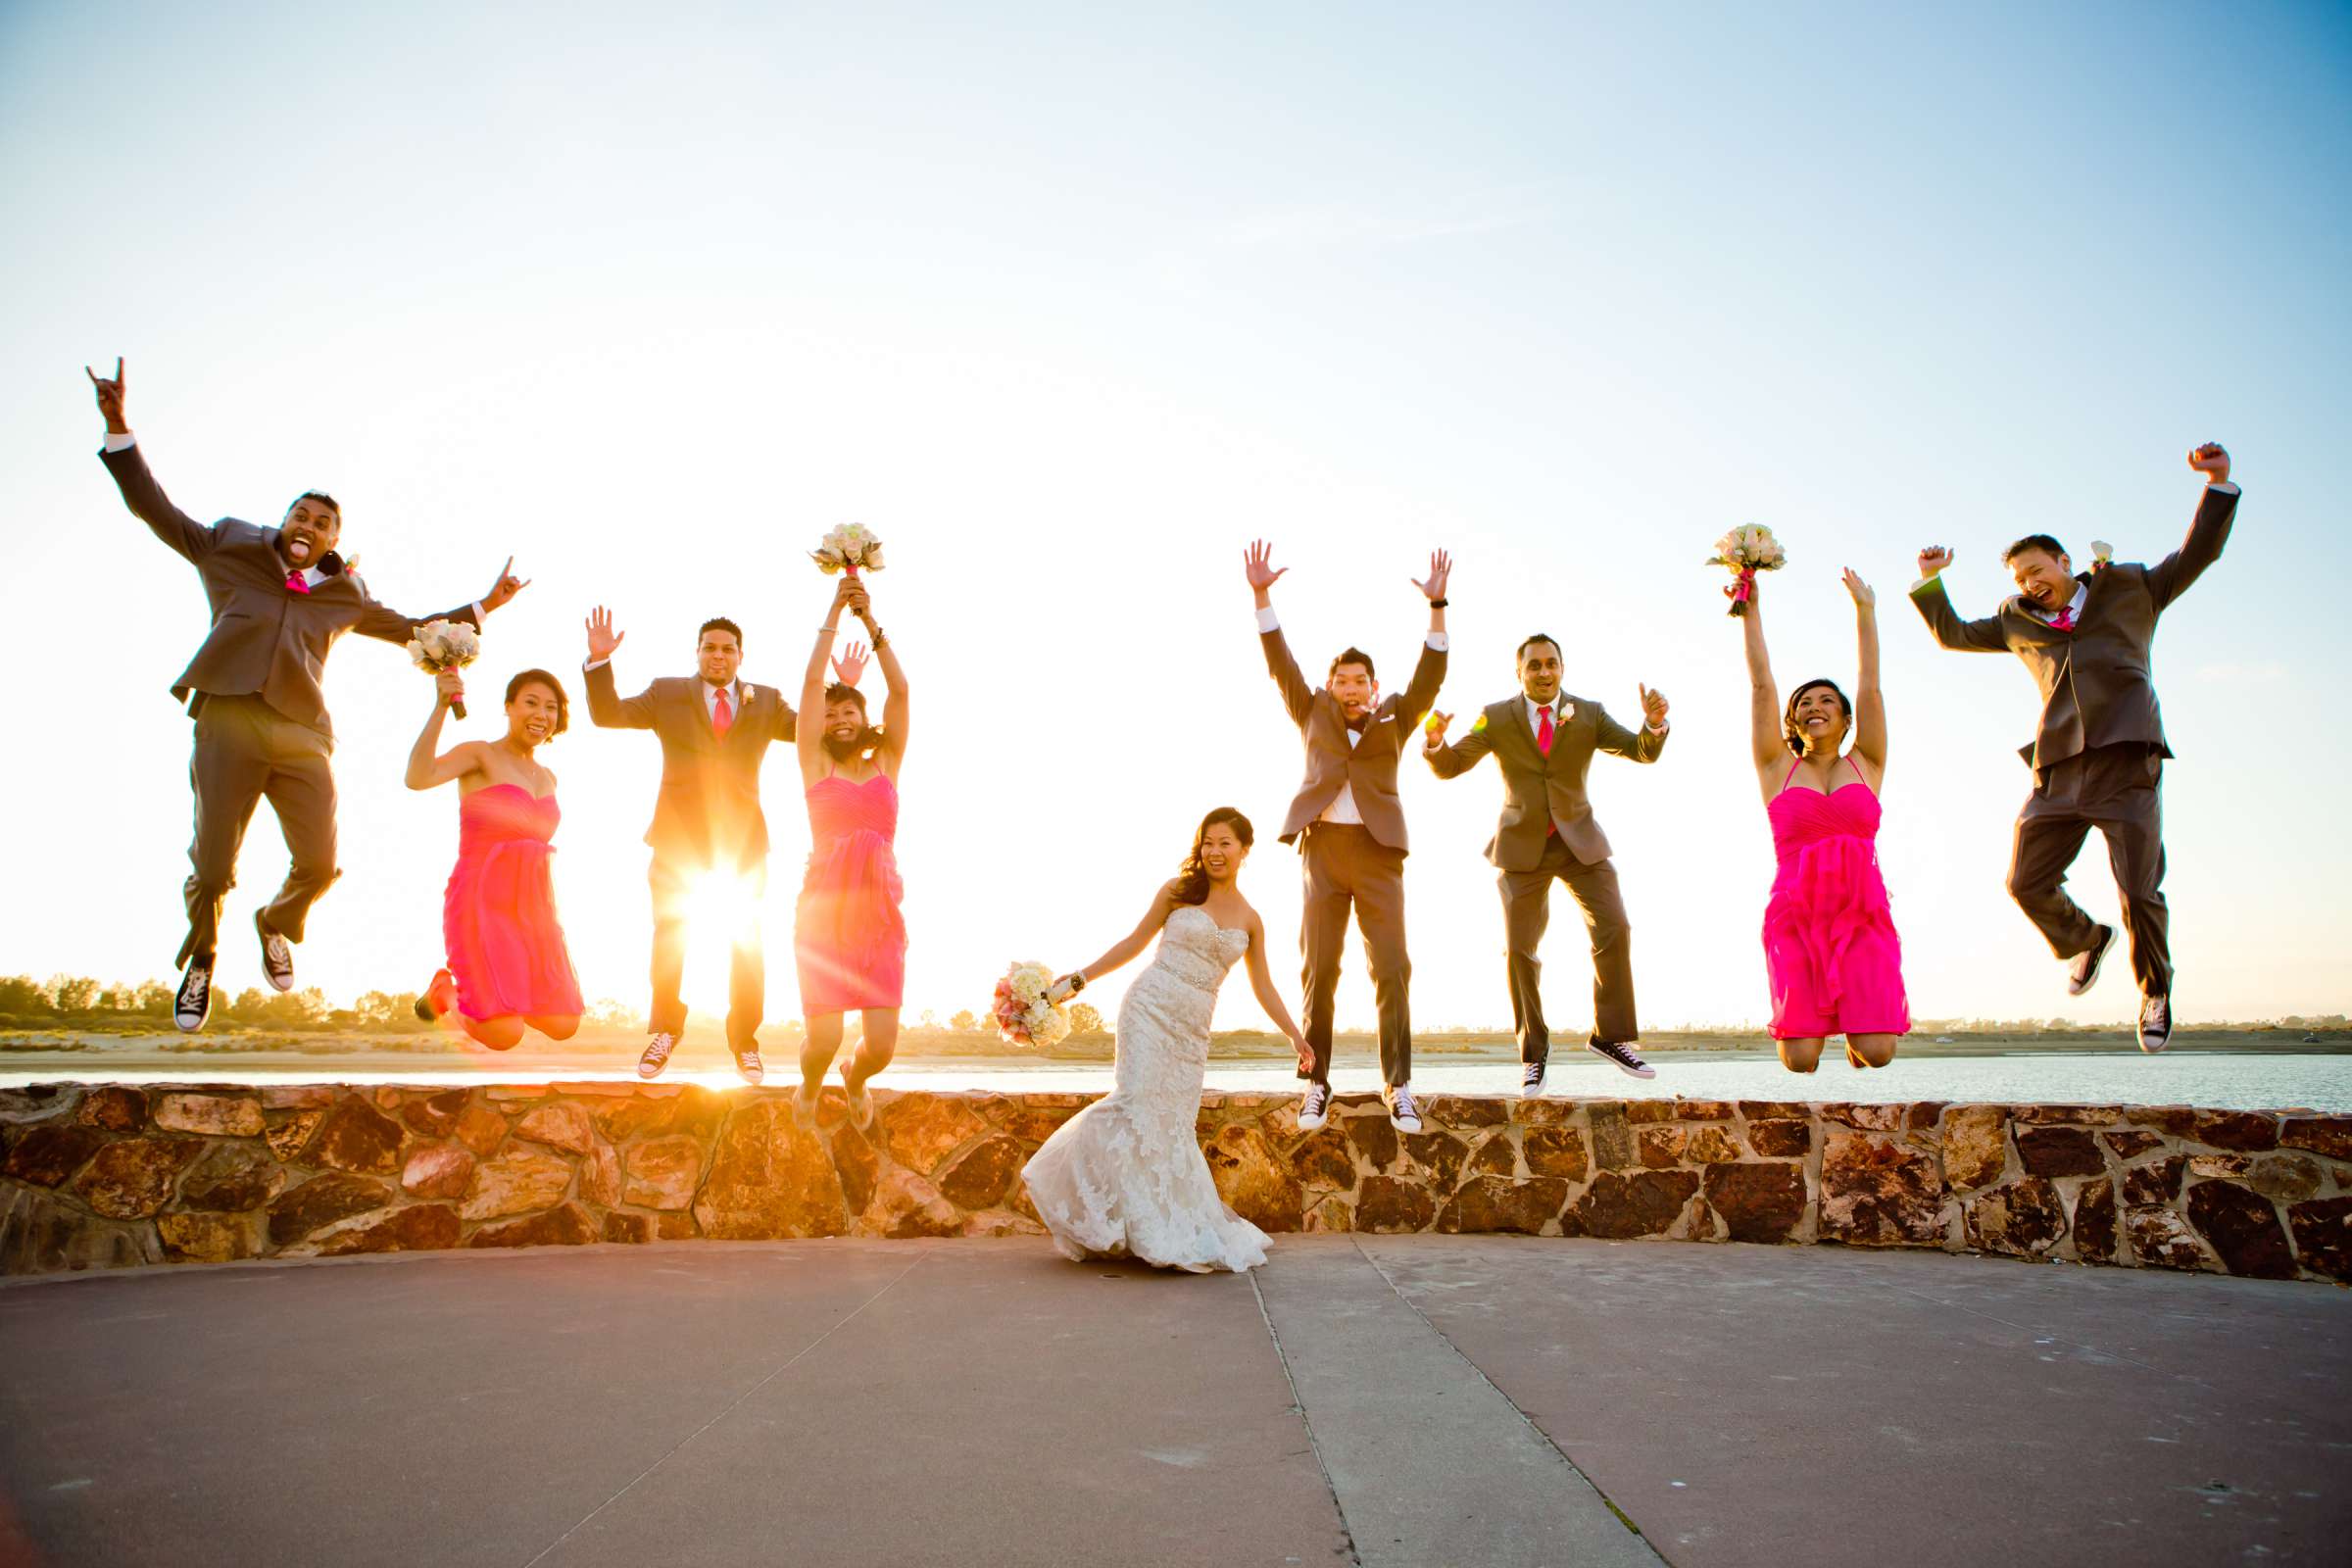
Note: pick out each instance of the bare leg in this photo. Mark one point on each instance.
(1871, 1051)
(818, 1049)
(1802, 1055)
(555, 1026)
(875, 1051)
(503, 1033)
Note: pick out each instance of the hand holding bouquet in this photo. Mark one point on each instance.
(1024, 1011)
(846, 549)
(440, 646)
(1747, 549)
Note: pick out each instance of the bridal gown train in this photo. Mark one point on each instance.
(1125, 1175)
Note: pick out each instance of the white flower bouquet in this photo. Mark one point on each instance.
(1023, 1013)
(846, 549)
(441, 644)
(1747, 549)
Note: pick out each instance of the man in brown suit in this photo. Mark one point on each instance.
(2098, 754)
(1544, 741)
(715, 732)
(1353, 824)
(279, 598)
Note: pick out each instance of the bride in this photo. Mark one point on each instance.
(1125, 1175)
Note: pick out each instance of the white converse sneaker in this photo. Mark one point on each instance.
(1403, 1114)
(2155, 1024)
(1531, 1081)
(278, 956)
(194, 1003)
(656, 1055)
(1314, 1106)
(1621, 1056)
(2084, 972)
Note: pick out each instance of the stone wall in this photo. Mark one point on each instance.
(108, 1177)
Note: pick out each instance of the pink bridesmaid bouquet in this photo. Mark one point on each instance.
(1747, 549)
(1024, 1016)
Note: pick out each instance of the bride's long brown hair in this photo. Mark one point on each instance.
(1191, 878)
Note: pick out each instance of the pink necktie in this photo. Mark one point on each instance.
(295, 583)
(722, 716)
(2064, 620)
(1543, 734)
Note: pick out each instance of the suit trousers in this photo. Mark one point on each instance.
(2119, 791)
(673, 883)
(1346, 868)
(246, 750)
(1527, 912)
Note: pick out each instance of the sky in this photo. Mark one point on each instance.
(1067, 304)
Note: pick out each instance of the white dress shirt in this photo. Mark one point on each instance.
(1342, 810)
(734, 692)
(1563, 710)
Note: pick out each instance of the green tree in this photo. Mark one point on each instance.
(72, 993)
(1085, 1018)
(963, 1023)
(20, 998)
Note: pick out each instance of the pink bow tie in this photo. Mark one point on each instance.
(295, 583)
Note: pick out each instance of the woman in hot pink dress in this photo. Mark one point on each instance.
(849, 937)
(1830, 948)
(507, 966)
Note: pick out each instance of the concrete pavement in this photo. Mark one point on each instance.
(1418, 1399)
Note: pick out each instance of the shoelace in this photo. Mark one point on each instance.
(199, 982)
(1400, 1105)
(1317, 1097)
(1532, 1076)
(1621, 1054)
(658, 1051)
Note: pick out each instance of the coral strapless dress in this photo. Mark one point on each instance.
(498, 916)
(849, 939)
(1830, 948)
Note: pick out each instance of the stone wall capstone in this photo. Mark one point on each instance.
(119, 1176)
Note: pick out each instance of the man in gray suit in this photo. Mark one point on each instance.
(1353, 823)
(1544, 741)
(715, 732)
(2098, 752)
(279, 598)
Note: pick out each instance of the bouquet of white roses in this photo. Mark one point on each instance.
(441, 644)
(1023, 1013)
(1747, 549)
(846, 549)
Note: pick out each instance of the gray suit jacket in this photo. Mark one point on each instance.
(265, 638)
(708, 812)
(1368, 767)
(1540, 792)
(2096, 681)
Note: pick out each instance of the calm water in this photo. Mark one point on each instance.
(2234, 1080)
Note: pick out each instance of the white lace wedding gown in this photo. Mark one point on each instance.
(1125, 1176)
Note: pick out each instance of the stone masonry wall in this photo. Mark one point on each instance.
(116, 1176)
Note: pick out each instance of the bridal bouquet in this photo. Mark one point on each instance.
(1022, 1011)
(441, 644)
(846, 549)
(1747, 549)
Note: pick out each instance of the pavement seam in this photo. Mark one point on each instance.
(1541, 1436)
(787, 1365)
(1347, 1534)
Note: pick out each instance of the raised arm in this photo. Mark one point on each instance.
(1961, 636)
(1764, 742)
(1126, 947)
(1261, 982)
(1429, 671)
(1298, 698)
(2208, 532)
(1453, 761)
(895, 706)
(1870, 699)
(1619, 741)
(811, 742)
(425, 769)
(605, 708)
(390, 625)
(140, 493)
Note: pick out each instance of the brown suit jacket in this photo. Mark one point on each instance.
(265, 638)
(1540, 792)
(707, 811)
(1368, 767)
(2097, 683)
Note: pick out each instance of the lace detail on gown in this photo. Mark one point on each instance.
(1125, 1176)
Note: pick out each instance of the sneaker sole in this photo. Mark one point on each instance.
(2098, 960)
(186, 1027)
(1642, 1071)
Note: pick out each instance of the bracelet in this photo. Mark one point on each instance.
(828, 630)
(1077, 981)
(1437, 604)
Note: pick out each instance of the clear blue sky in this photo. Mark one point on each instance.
(1068, 303)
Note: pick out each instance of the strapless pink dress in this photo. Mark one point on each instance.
(1830, 948)
(850, 939)
(498, 916)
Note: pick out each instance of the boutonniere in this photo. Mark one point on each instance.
(2102, 554)
(1478, 723)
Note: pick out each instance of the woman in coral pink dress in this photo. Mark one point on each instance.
(1829, 946)
(849, 937)
(507, 966)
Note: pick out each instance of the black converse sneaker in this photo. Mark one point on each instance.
(1403, 1114)
(1621, 1056)
(2155, 1024)
(278, 956)
(1531, 1081)
(1314, 1105)
(194, 1003)
(2084, 972)
(656, 1055)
